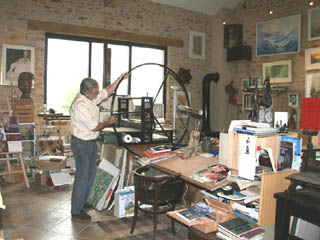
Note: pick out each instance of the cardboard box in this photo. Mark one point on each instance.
(15, 177)
(51, 165)
(124, 202)
(41, 179)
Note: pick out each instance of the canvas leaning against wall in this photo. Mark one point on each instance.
(278, 36)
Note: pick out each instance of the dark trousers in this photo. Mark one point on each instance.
(85, 156)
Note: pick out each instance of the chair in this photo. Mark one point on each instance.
(161, 191)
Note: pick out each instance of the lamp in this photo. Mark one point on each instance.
(311, 3)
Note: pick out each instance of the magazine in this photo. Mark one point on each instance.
(199, 210)
(160, 149)
(286, 155)
(214, 174)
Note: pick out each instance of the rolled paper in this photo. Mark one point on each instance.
(126, 138)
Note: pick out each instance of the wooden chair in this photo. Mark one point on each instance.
(161, 191)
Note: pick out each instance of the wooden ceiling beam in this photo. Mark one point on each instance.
(75, 30)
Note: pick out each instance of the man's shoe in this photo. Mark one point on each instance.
(87, 206)
(81, 216)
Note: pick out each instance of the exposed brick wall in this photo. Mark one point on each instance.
(145, 17)
(250, 12)
(137, 16)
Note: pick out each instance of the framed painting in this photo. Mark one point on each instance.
(312, 85)
(15, 60)
(293, 99)
(278, 36)
(232, 35)
(278, 72)
(197, 45)
(314, 24)
(312, 58)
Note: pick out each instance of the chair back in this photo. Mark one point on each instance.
(160, 188)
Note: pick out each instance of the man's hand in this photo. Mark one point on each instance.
(110, 89)
(111, 120)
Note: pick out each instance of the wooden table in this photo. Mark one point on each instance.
(187, 167)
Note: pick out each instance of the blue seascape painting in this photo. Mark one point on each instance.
(279, 36)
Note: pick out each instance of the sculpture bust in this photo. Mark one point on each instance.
(25, 84)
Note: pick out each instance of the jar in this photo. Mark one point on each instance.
(206, 144)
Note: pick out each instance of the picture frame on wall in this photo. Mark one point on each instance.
(312, 85)
(312, 58)
(15, 60)
(278, 71)
(278, 36)
(197, 45)
(245, 83)
(314, 24)
(232, 35)
(293, 99)
(255, 79)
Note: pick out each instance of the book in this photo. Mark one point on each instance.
(256, 131)
(236, 196)
(160, 149)
(266, 158)
(297, 157)
(199, 210)
(237, 226)
(150, 154)
(244, 183)
(214, 174)
(286, 155)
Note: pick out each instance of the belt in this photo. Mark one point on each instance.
(93, 140)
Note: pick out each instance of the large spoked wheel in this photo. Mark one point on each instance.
(181, 120)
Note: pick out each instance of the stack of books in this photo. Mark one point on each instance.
(158, 151)
(238, 229)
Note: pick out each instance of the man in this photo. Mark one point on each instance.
(85, 127)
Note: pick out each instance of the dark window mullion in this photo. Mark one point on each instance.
(130, 67)
(90, 55)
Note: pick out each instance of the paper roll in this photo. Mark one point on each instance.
(126, 138)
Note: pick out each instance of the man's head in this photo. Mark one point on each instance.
(89, 88)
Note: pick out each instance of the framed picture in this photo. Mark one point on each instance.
(312, 58)
(278, 72)
(312, 85)
(180, 99)
(232, 35)
(245, 83)
(314, 24)
(255, 79)
(197, 45)
(293, 99)
(15, 60)
(278, 36)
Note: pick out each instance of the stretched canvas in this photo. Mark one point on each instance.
(278, 36)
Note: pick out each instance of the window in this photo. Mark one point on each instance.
(70, 59)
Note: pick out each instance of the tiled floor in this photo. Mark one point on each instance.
(43, 213)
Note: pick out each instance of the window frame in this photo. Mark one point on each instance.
(105, 80)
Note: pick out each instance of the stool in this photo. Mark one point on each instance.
(20, 157)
